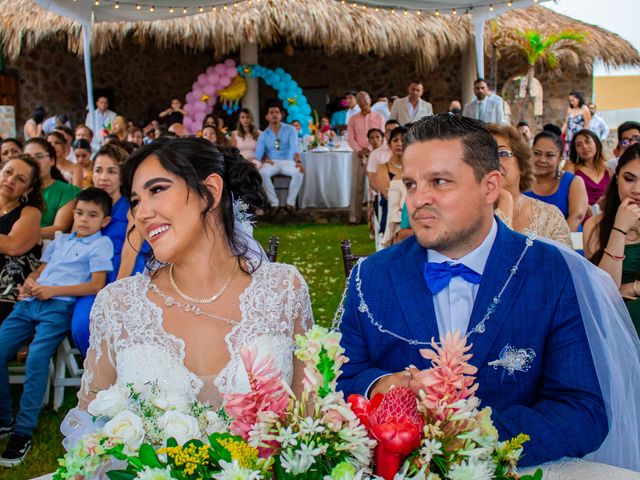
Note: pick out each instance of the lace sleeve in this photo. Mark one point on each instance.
(547, 221)
(302, 321)
(99, 366)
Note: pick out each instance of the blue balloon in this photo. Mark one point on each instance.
(279, 70)
(299, 90)
(293, 109)
(306, 109)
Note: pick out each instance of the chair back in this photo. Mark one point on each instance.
(272, 251)
(348, 258)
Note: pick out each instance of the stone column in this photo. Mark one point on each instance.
(251, 100)
(468, 69)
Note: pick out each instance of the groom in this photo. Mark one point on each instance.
(446, 277)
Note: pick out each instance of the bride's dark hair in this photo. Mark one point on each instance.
(193, 160)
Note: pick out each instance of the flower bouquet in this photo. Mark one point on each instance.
(432, 431)
(435, 429)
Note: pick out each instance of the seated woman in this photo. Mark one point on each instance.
(215, 135)
(557, 187)
(588, 162)
(188, 319)
(612, 238)
(129, 252)
(119, 128)
(20, 212)
(9, 147)
(245, 137)
(390, 186)
(529, 214)
(82, 151)
(58, 195)
(72, 172)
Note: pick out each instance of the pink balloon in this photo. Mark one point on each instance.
(194, 86)
(202, 79)
(212, 101)
(190, 97)
(213, 78)
(224, 81)
(200, 107)
(229, 62)
(187, 122)
(232, 72)
(199, 117)
(220, 69)
(197, 92)
(209, 89)
(188, 107)
(196, 126)
(210, 70)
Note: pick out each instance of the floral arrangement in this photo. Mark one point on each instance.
(432, 431)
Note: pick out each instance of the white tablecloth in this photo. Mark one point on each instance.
(327, 180)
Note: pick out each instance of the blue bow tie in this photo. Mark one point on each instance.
(438, 275)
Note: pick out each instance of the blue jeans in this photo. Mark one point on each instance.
(47, 322)
(80, 323)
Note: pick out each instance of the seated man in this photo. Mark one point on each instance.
(73, 265)
(535, 367)
(277, 149)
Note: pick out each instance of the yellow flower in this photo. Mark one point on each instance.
(516, 443)
(189, 457)
(245, 454)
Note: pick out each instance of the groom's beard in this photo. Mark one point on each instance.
(449, 237)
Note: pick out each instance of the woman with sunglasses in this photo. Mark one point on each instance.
(529, 214)
(59, 196)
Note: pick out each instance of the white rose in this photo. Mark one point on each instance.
(126, 427)
(171, 401)
(109, 402)
(179, 426)
(215, 423)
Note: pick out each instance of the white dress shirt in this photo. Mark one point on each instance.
(454, 303)
(351, 112)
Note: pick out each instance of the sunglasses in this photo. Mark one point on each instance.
(625, 142)
(276, 145)
(504, 154)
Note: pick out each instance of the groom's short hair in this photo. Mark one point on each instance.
(480, 148)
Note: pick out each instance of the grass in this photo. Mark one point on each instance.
(313, 249)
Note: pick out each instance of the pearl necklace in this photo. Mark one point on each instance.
(201, 301)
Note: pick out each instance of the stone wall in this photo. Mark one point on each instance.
(143, 80)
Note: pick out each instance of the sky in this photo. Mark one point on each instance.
(618, 16)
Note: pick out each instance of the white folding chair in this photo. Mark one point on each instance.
(66, 359)
(576, 240)
(18, 374)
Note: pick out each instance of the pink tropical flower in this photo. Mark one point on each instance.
(449, 380)
(268, 394)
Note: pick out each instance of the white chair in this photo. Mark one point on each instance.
(66, 359)
(576, 240)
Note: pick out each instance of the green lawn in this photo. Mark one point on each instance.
(313, 249)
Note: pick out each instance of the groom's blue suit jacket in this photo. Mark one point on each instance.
(557, 401)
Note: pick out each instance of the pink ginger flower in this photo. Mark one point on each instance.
(449, 380)
(268, 394)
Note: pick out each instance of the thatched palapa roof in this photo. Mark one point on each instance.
(328, 24)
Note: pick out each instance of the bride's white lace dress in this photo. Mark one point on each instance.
(127, 332)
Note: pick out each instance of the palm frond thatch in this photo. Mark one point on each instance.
(327, 24)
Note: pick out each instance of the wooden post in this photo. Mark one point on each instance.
(251, 100)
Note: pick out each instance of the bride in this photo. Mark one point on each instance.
(212, 291)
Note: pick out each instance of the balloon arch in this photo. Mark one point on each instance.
(227, 82)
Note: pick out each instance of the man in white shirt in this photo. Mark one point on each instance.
(485, 107)
(411, 108)
(465, 271)
(352, 105)
(101, 121)
(382, 106)
(597, 123)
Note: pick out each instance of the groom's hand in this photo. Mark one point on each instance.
(399, 379)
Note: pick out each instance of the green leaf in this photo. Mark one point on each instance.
(171, 442)
(120, 475)
(148, 456)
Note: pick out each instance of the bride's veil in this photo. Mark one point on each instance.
(615, 349)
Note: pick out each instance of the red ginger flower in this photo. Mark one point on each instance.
(268, 394)
(449, 380)
(394, 421)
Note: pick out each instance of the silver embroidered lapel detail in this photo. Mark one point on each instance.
(514, 359)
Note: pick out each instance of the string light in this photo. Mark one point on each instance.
(201, 9)
(225, 7)
(116, 6)
(138, 7)
(152, 9)
(454, 12)
(437, 13)
(184, 10)
(509, 3)
(171, 10)
(419, 12)
(491, 8)
(406, 12)
(97, 3)
(214, 8)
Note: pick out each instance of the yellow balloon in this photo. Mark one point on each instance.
(235, 91)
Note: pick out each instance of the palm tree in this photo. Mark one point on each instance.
(546, 51)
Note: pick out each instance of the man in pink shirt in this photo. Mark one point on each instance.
(357, 128)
